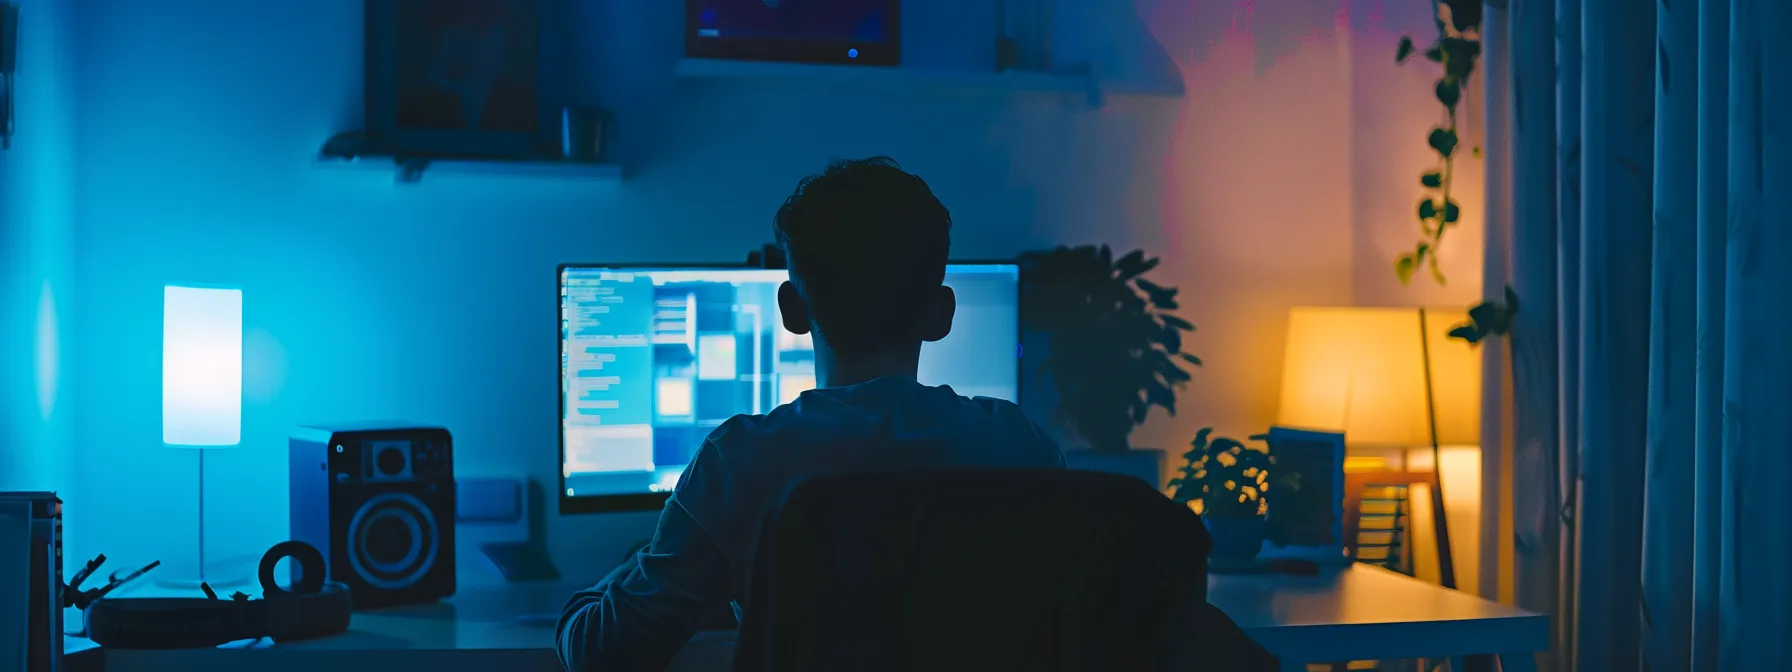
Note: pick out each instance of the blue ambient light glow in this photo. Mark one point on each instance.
(852, 53)
(202, 366)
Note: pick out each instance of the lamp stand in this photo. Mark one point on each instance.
(1446, 567)
(200, 576)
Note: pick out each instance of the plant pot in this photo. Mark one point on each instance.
(1146, 465)
(1236, 540)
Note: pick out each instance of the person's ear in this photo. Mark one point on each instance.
(792, 309)
(938, 323)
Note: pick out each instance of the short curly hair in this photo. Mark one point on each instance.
(866, 242)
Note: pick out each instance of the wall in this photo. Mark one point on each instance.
(36, 202)
(199, 119)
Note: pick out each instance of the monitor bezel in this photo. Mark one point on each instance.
(650, 501)
(874, 54)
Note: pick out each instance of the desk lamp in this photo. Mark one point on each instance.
(1390, 379)
(202, 383)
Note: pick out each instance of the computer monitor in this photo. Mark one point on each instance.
(654, 358)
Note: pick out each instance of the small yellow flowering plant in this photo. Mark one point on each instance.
(1225, 478)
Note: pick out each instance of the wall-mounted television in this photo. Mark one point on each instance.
(466, 78)
(850, 32)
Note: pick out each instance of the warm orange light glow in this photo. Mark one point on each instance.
(1361, 371)
(1364, 465)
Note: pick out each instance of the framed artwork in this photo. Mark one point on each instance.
(466, 78)
(1307, 521)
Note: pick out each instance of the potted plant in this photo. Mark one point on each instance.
(1228, 483)
(1112, 349)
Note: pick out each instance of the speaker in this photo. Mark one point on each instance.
(39, 587)
(378, 499)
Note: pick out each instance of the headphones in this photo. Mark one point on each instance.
(313, 608)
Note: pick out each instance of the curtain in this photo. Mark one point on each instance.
(1652, 489)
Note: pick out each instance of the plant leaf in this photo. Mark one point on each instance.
(1427, 209)
(1433, 179)
(1466, 333)
(1134, 264)
(1459, 55)
(1163, 298)
(1190, 358)
(1443, 140)
(1449, 92)
(1465, 15)
(1405, 50)
(1404, 266)
(1176, 322)
(1171, 339)
(1484, 314)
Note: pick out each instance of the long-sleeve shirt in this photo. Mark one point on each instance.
(700, 558)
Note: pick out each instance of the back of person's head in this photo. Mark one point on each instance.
(867, 246)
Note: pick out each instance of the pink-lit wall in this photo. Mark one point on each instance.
(1293, 180)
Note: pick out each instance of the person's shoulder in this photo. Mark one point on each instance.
(1002, 411)
(787, 424)
(992, 405)
(1033, 445)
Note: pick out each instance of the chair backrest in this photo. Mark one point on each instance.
(1377, 520)
(971, 569)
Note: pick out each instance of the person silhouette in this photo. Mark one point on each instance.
(866, 244)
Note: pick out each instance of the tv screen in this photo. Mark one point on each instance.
(653, 359)
(820, 31)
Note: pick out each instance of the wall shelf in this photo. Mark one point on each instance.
(922, 78)
(412, 170)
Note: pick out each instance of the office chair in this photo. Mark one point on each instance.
(983, 569)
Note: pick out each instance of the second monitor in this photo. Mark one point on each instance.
(653, 359)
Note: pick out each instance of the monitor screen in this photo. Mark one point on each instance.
(654, 358)
(825, 31)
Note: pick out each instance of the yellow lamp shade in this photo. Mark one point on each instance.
(1362, 371)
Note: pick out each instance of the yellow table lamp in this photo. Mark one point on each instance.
(1388, 378)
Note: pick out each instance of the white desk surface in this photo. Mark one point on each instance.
(1361, 612)
(1354, 613)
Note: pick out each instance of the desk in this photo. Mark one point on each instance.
(1363, 612)
(477, 629)
(1355, 613)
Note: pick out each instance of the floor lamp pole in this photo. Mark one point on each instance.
(201, 568)
(1445, 565)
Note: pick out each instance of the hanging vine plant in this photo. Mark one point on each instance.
(1457, 49)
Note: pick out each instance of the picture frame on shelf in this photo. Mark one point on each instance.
(1308, 523)
(447, 81)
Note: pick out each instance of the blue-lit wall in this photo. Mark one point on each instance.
(198, 120)
(36, 225)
